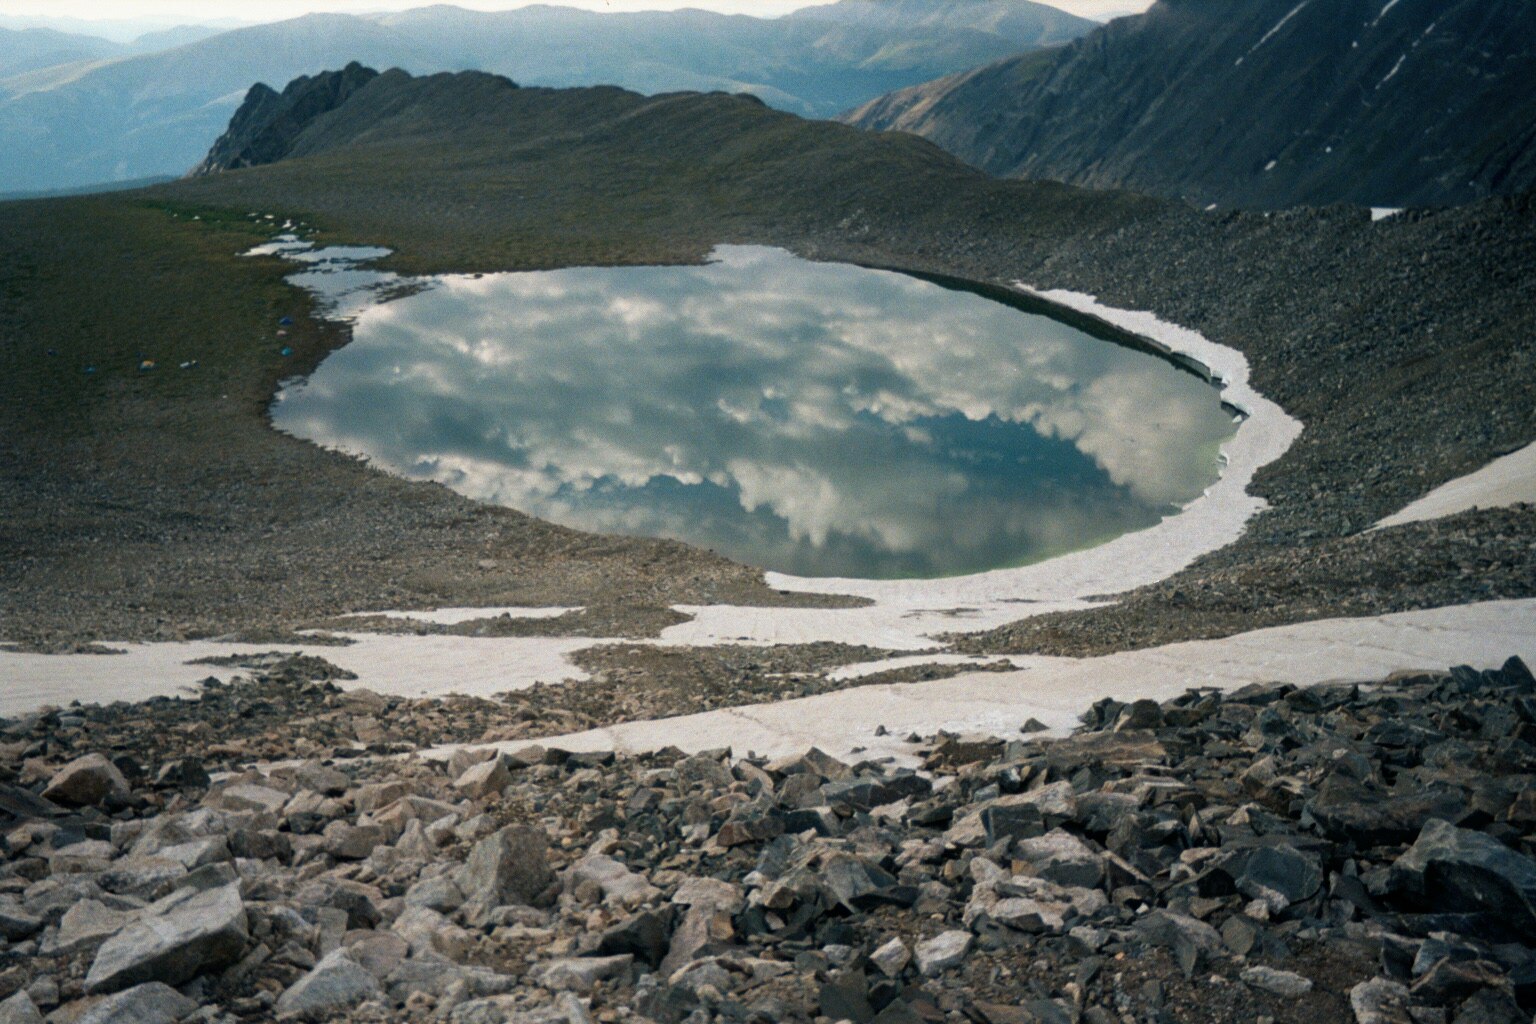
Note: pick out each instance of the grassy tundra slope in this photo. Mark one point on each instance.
(148, 504)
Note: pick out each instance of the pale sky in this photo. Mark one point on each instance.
(189, 11)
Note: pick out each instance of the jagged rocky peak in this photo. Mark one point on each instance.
(268, 123)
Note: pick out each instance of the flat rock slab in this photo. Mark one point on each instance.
(173, 941)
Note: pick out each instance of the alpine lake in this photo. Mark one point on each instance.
(815, 419)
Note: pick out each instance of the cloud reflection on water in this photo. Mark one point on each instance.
(812, 418)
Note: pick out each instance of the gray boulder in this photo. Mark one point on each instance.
(86, 925)
(1454, 870)
(1380, 1001)
(153, 1003)
(19, 1009)
(579, 974)
(86, 782)
(943, 951)
(17, 923)
(511, 866)
(1060, 857)
(173, 941)
(484, 779)
(1286, 984)
(337, 982)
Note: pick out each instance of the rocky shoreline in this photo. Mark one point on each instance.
(1347, 851)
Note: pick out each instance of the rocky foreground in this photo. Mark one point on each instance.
(1340, 852)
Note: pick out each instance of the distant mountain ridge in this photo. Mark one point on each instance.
(1257, 103)
(32, 49)
(158, 113)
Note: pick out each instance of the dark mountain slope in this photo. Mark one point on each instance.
(159, 113)
(446, 158)
(268, 123)
(1261, 103)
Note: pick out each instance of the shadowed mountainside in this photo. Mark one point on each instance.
(1258, 103)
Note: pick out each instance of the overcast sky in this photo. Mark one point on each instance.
(272, 10)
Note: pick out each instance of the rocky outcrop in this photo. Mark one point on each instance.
(1257, 104)
(268, 123)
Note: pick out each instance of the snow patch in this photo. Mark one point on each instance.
(1271, 33)
(1383, 212)
(1503, 482)
(1393, 73)
(405, 666)
(1390, 4)
(1055, 690)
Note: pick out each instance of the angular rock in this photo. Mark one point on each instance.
(1458, 871)
(86, 925)
(579, 974)
(16, 923)
(338, 982)
(19, 1009)
(1348, 811)
(379, 953)
(1060, 857)
(646, 936)
(1191, 941)
(891, 958)
(1276, 982)
(439, 893)
(1280, 876)
(1380, 1001)
(152, 1003)
(173, 941)
(856, 883)
(484, 779)
(845, 996)
(511, 866)
(352, 842)
(947, 949)
(87, 782)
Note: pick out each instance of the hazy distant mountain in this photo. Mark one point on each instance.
(170, 38)
(158, 113)
(1262, 103)
(33, 48)
(124, 31)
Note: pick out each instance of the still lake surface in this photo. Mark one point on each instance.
(815, 419)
